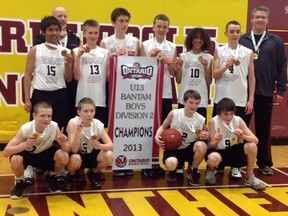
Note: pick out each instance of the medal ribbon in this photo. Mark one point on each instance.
(236, 51)
(256, 46)
(51, 45)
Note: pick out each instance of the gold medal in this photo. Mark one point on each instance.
(87, 49)
(37, 136)
(160, 56)
(200, 58)
(255, 56)
(198, 132)
(236, 62)
(63, 52)
(93, 137)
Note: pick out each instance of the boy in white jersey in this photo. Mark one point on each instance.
(118, 44)
(91, 70)
(192, 126)
(165, 51)
(33, 145)
(234, 76)
(84, 133)
(231, 143)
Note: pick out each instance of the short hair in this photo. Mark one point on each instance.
(48, 21)
(90, 23)
(41, 104)
(233, 22)
(226, 104)
(162, 17)
(195, 33)
(85, 100)
(191, 94)
(119, 12)
(260, 8)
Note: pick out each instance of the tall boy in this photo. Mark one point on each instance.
(33, 145)
(192, 126)
(165, 51)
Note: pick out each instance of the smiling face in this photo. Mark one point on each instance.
(52, 34)
(197, 43)
(227, 116)
(161, 28)
(191, 105)
(42, 117)
(259, 21)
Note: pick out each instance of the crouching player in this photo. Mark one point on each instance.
(231, 144)
(84, 133)
(33, 145)
(192, 126)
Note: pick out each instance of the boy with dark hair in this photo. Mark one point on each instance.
(231, 143)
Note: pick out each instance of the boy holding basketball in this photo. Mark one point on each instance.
(194, 133)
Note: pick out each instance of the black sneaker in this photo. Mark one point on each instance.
(54, 186)
(159, 171)
(94, 180)
(171, 176)
(80, 175)
(118, 173)
(129, 172)
(266, 170)
(148, 173)
(18, 190)
(193, 177)
(69, 182)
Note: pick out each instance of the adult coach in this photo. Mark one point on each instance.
(270, 62)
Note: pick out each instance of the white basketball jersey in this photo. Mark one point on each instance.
(49, 68)
(167, 49)
(229, 138)
(95, 128)
(233, 83)
(46, 139)
(187, 126)
(92, 80)
(193, 76)
(114, 44)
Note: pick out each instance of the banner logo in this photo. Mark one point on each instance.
(136, 71)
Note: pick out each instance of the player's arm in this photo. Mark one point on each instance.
(18, 144)
(178, 69)
(137, 48)
(107, 142)
(30, 66)
(68, 61)
(251, 82)
(218, 71)
(142, 51)
(171, 65)
(208, 73)
(248, 135)
(107, 66)
(74, 135)
(102, 44)
(214, 137)
(62, 140)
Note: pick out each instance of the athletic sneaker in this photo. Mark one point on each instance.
(235, 173)
(171, 176)
(69, 182)
(121, 173)
(159, 171)
(54, 187)
(254, 182)
(180, 172)
(94, 180)
(61, 175)
(210, 177)
(29, 175)
(148, 173)
(193, 176)
(18, 189)
(266, 170)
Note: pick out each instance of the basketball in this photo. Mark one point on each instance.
(172, 139)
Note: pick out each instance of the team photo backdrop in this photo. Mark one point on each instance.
(19, 24)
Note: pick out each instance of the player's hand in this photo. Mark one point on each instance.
(249, 108)
(218, 136)
(96, 144)
(79, 125)
(31, 142)
(204, 135)
(238, 132)
(167, 60)
(229, 62)
(154, 52)
(204, 62)
(277, 99)
(123, 52)
(159, 141)
(28, 106)
(68, 58)
(178, 64)
(62, 138)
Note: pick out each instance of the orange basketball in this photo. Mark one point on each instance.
(172, 139)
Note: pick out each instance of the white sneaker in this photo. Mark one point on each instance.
(29, 175)
(235, 173)
(210, 177)
(254, 182)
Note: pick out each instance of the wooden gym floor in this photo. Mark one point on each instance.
(138, 195)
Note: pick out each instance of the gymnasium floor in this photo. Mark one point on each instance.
(140, 195)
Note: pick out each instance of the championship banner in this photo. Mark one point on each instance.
(135, 97)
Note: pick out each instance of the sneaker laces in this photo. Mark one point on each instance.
(253, 180)
(235, 171)
(28, 172)
(210, 173)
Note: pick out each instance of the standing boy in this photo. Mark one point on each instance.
(33, 145)
(231, 143)
(165, 51)
(192, 126)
